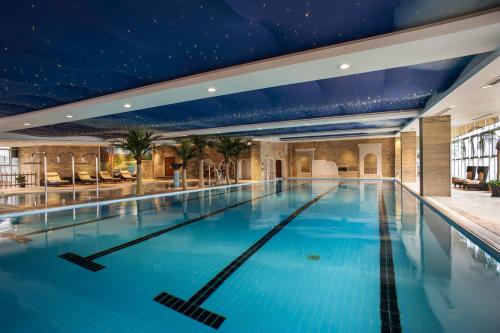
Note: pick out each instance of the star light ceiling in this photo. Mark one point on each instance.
(57, 52)
(387, 90)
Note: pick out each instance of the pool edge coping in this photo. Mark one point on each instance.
(482, 236)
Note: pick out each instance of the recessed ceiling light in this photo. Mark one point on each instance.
(69, 116)
(127, 105)
(486, 86)
(344, 66)
(27, 124)
(212, 89)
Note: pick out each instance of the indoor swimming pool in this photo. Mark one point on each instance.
(279, 256)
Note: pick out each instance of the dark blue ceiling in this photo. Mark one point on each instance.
(387, 90)
(54, 52)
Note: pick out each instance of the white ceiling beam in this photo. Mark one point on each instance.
(340, 138)
(471, 34)
(337, 132)
(23, 140)
(361, 118)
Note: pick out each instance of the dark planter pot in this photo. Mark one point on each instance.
(22, 184)
(495, 191)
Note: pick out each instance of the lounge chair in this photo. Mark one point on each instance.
(480, 182)
(471, 174)
(106, 177)
(85, 177)
(53, 179)
(126, 175)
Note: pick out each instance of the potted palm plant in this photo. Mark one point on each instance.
(185, 150)
(239, 147)
(224, 145)
(138, 143)
(200, 146)
(493, 136)
(21, 180)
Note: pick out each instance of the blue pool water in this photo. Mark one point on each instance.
(286, 256)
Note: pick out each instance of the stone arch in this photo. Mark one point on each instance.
(245, 168)
(370, 164)
(374, 152)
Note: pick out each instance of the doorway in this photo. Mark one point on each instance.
(278, 168)
(169, 171)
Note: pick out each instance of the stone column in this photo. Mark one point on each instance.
(397, 158)
(409, 157)
(435, 156)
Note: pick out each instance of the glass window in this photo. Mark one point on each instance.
(475, 150)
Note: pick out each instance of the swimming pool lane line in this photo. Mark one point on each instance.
(88, 263)
(389, 308)
(22, 238)
(192, 307)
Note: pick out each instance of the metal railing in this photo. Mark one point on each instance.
(9, 179)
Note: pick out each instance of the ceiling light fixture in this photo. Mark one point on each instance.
(443, 111)
(491, 83)
(127, 105)
(212, 90)
(27, 124)
(69, 116)
(344, 66)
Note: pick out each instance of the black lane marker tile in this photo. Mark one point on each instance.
(209, 318)
(389, 308)
(82, 261)
(22, 239)
(89, 259)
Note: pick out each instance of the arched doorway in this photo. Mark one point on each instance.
(245, 169)
(370, 164)
(278, 169)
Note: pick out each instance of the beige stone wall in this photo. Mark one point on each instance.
(397, 158)
(409, 157)
(345, 153)
(64, 167)
(435, 158)
(270, 152)
(463, 129)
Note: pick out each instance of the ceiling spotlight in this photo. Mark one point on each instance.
(486, 86)
(212, 90)
(69, 116)
(27, 124)
(344, 66)
(127, 105)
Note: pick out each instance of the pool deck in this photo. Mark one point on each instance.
(475, 211)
